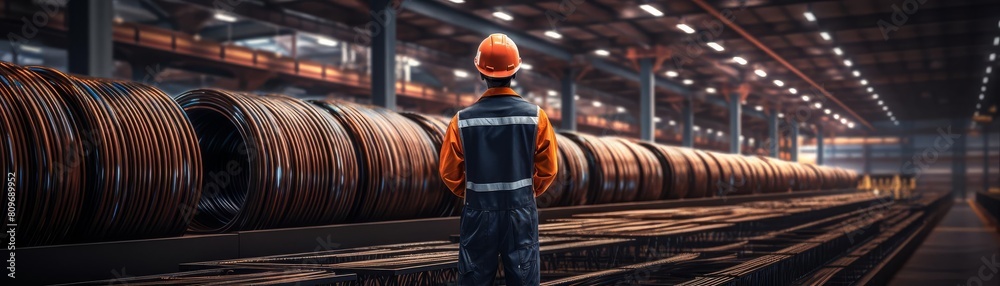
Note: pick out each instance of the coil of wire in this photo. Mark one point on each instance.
(572, 182)
(435, 127)
(109, 159)
(269, 161)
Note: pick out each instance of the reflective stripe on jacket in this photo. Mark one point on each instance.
(500, 143)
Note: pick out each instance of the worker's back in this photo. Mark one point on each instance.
(498, 135)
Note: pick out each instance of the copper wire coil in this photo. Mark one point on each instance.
(713, 176)
(651, 178)
(270, 161)
(398, 175)
(572, 181)
(726, 176)
(125, 148)
(435, 127)
(676, 170)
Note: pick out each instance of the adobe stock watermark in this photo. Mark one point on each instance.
(30, 27)
(694, 44)
(987, 272)
(898, 17)
(363, 34)
(566, 8)
(920, 162)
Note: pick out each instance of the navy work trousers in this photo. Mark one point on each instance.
(510, 234)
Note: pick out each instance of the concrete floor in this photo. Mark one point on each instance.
(954, 253)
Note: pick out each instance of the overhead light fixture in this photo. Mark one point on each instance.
(890, 113)
(710, 90)
(896, 122)
(576, 97)
(827, 111)
(825, 35)
(413, 62)
(989, 69)
(685, 28)
(879, 102)
(986, 80)
(871, 89)
(996, 41)
(225, 17)
(758, 108)
(31, 49)
(651, 10)
(258, 41)
(457, 1)
(461, 73)
(848, 63)
(671, 74)
(716, 46)
(552, 93)
(885, 108)
(760, 73)
(856, 73)
(792, 90)
(553, 34)
(620, 109)
(838, 51)
(672, 123)
(818, 105)
(695, 128)
(978, 106)
(779, 83)
(657, 119)
(688, 82)
(602, 52)
(740, 61)
(983, 88)
(850, 125)
(875, 96)
(503, 16)
(719, 134)
(781, 115)
(836, 116)
(864, 82)
(596, 103)
(981, 96)
(993, 56)
(809, 16)
(525, 66)
(805, 98)
(843, 121)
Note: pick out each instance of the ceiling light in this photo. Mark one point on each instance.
(981, 96)
(836, 116)
(848, 63)
(850, 125)
(993, 56)
(827, 111)
(781, 115)
(825, 35)
(37, 50)
(986, 80)
(553, 34)
(672, 123)
(890, 113)
(793, 90)
(996, 41)
(809, 16)
(875, 96)
(864, 82)
(413, 62)
(716, 46)
(983, 89)
(896, 122)
(779, 83)
(553, 93)
(225, 17)
(651, 10)
(602, 52)
(871, 89)
(326, 41)
(685, 28)
(843, 121)
(620, 109)
(805, 98)
(719, 133)
(885, 108)
(671, 74)
(710, 90)
(526, 66)
(503, 16)
(457, 1)
(596, 103)
(576, 97)
(818, 105)
(688, 82)
(758, 108)
(657, 119)
(760, 73)
(879, 102)
(740, 61)
(695, 128)
(978, 106)
(856, 73)
(838, 51)
(989, 69)
(461, 73)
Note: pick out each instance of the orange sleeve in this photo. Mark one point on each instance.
(452, 160)
(546, 155)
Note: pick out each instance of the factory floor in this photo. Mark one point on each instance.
(955, 251)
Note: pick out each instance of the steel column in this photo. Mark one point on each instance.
(772, 129)
(795, 143)
(735, 122)
(958, 164)
(819, 146)
(568, 96)
(90, 30)
(867, 156)
(688, 114)
(383, 54)
(647, 104)
(986, 159)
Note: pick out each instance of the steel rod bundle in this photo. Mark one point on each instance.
(125, 150)
(270, 161)
(398, 176)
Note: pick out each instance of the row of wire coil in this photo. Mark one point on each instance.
(97, 159)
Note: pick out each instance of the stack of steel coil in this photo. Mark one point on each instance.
(571, 184)
(270, 161)
(96, 159)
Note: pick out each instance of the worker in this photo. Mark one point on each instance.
(499, 154)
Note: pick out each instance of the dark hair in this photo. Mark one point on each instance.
(492, 82)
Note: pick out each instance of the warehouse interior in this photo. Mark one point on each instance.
(701, 142)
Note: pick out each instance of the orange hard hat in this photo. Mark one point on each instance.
(498, 57)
